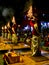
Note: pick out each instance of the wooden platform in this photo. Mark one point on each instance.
(28, 61)
(6, 45)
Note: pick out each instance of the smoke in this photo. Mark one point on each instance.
(7, 12)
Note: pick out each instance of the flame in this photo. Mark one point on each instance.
(30, 13)
(2, 28)
(5, 27)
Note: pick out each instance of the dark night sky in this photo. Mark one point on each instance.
(42, 4)
(18, 6)
(43, 8)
